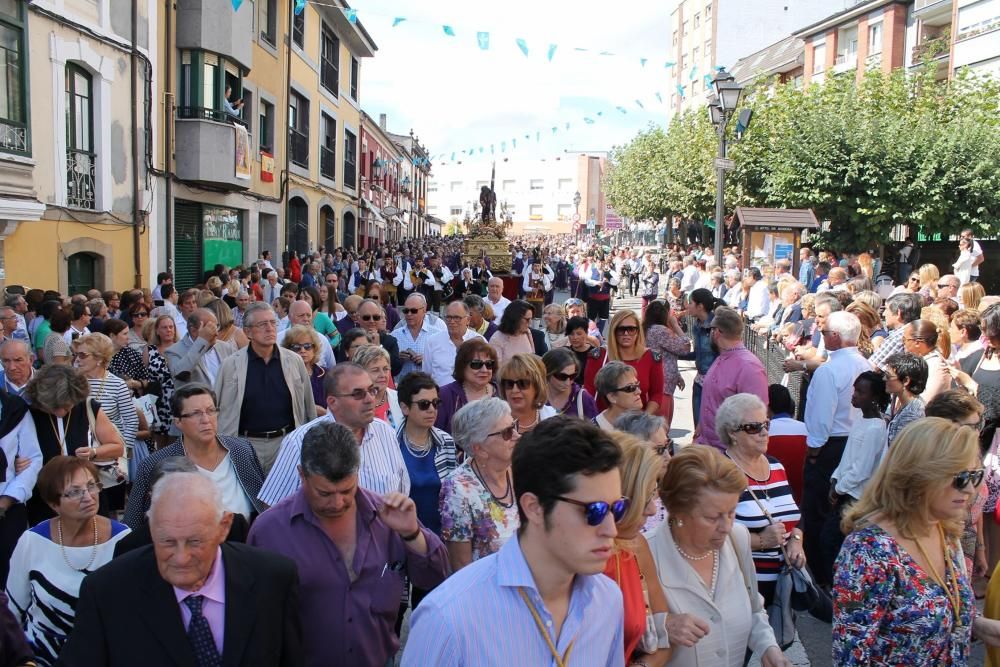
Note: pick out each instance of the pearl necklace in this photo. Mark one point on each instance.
(715, 566)
(93, 552)
(690, 557)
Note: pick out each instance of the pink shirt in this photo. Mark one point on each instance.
(213, 608)
(736, 371)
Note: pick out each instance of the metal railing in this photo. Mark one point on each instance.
(13, 136)
(350, 173)
(773, 356)
(298, 149)
(327, 163)
(80, 178)
(205, 113)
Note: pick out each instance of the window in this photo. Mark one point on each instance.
(694, 86)
(13, 103)
(328, 148)
(673, 42)
(535, 211)
(708, 49)
(247, 109)
(537, 184)
(299, 28)
(355, 76)
(565, 184)
(269, 20)
(266, 129)
(565, 211)
(204, 78)
(685, 33)
(695, 52)
(708, 11)
(209, 81)
(847, 44)
(509, 186)
(329, 66)
(456, 210)
(350, 159)
(684, 61)
(875, 38)
(697, 20)
(80, 158)
(456, 186)
(819, 58)
(298, 129)
(432, 186)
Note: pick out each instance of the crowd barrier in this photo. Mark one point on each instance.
(773, 355)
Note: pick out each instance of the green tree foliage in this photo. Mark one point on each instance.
(891, 149)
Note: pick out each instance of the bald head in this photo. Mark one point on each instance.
(300, 312)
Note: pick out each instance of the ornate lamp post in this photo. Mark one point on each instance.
(721, 108)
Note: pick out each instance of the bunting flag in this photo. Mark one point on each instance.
(484, 40)
(396, 21)
(622, 109)
(639, 104)
(680, 90)
(452, 157)
(300, 6)
(659, 98)
(503, 146)
(708, 80)
(514, 142)
(588, 121)
(554, 129)
(552, 51)
(643, 61)
(236, 5)
(448, 30)
(352, 15)
(523, 45)
(600, 113)
(693, 74)
(580, 48)
(669, 64)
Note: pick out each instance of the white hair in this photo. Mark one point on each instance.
(733, 412)
(846, 324)
(189, 484)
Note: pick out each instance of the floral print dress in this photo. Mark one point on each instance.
(888, 611)
(159, 371)
(469, 513)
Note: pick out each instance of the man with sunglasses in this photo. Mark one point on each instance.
(370, 318)
(900, 310)
(441, 348)
(413, 333)
(546, 582)
(350, 400)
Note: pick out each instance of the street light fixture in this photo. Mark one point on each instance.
(722, 107)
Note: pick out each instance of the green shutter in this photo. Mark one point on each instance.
(187, 245)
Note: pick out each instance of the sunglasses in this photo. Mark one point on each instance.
(520, 383)
(754, 428)
(564, 377)
(359, 394)
(668, 446)
(975, 425)
(371, 318)
(476, 364)
(630, 330)
(506, 434)
(410, 311)
(964, 478)
(427, 404)
(598, 510)
(140, 314)
(298, 347)
(628, 389)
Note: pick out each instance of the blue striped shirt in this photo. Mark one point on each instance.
(478, 618)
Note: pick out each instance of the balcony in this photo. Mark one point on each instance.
(327, 163)
(298, 147)
(845, 63)
(874, 61)
(13, 137)
(80, 179)
(932, 49)
(205, 148)
(212, 25)
(933, 12)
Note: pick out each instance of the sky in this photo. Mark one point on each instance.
(458, 97)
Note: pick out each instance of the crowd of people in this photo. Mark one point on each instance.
(286, 462)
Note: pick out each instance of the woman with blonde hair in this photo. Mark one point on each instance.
(627, 343)
(970, 294)
(228, 331)
(554, 321)
(305, 342)
(901, 594)
(375, 360)
(929, 275)
(631, 565)
(524, 387)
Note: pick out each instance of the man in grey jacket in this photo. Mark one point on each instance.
(198, 356)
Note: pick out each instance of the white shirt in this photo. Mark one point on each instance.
(212, 364)
(408, 342)
(234, 499)
(498, 307)
(759, 302)
(689, 278)
(861, 456)
(439, 355)
(382, 467)
(977, 251)
(829, 412)
(69, 335)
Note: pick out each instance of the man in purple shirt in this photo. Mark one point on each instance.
(737, 370)
(353, 548)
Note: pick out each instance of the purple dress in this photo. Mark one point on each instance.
(586, 402)
(316, 380)
(452, 397)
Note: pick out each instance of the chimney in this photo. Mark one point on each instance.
(381, 121)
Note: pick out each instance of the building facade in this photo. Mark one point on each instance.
(413, 187)
(382, 172)
(71, 188)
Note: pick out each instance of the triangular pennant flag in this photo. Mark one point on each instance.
(643, 61)
(448, 30)
(580, 48)
(300, 6)
(639, 104)
(503, 146)
(622, 109)
(480, 150)
(567, 126)
(452, 157)
(659, 98)
(484, 40)
(352, 15)
(694, 72)
(600, 113)
(523, 45)
(528, 137)
(514, 142)
(554, 129)
(552, 51)
(669, 64)
(236, 5)
(606, 53)
(396, 21)
(588, 121)
(538, 136)
(708, 80)
(492, 149)
(680, 90)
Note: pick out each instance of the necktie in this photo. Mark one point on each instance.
(200, 634)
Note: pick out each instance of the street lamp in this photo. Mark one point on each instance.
(721, 108)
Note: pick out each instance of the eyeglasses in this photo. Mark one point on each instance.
(454, 318)
(427, 404)
(266, 324)
(978, 425)
(628, 329)
(476, 364)
(371, 318)
(411, 311)
(82, 355)
(914, 279)
(359, 393)
(664, 448)
(198, 415)
(964, 478)
(596, 511)
(520, 383)
(298, 347)
(564, 377)
(628, 389)
(77, 493)
(943, 285)
(140, 314)
(506, 434)
(754, 428)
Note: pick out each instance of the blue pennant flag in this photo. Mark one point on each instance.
(514, 142)
(480, 150)
(236, 5)
(528, 137)
(538, 136)
(708, 80)
(523, 45)
(643, 61)
(396, 21)
(622, 109)
(639, 104)
(669, 64)
(452, 157)
(492, 150)
(552, 51)
(448, 30)
(659, 98)
(680, 90)
(567, 126)
(588, 121)
(352, 15)
(600, 113)
(300, 6)
(606, 53)
(580, 48)
(554, 129)
(484, 40)
(693, 74)
(503, 146)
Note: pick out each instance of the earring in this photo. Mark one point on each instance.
(679, 523)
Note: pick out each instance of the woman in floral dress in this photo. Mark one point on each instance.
(901, 593)
(161, 334)
(478, 507)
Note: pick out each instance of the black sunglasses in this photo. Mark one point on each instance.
(628, 389)
(426, 404)
(564, 377)
(668, 446)
(298, 347)
(962, 479)
(371, 318)
(754, 428)
(520, 383)
(476, 364)
(629, 329)
(410, 311)
(596, 511)
(506, 434)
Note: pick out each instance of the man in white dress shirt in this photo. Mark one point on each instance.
(441, 348)
(496, 299)
(759, 301)
(413, 335)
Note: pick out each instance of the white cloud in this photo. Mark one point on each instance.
(455, 96)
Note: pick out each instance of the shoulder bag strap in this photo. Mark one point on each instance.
(579, 402)
(767, 515)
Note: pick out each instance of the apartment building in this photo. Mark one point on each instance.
(413, 186)
(382, 172)
(778, 63)
(72, 198)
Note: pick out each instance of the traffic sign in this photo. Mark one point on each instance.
(576, 217)
(724, 163)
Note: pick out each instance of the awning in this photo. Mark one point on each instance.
(376, 212)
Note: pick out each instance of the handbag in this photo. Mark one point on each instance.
(114, 472)
(649, 642)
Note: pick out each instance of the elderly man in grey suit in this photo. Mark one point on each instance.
(198, 356)
(264, 390)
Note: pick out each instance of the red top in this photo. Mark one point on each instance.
(623, 568)
(648, 368)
